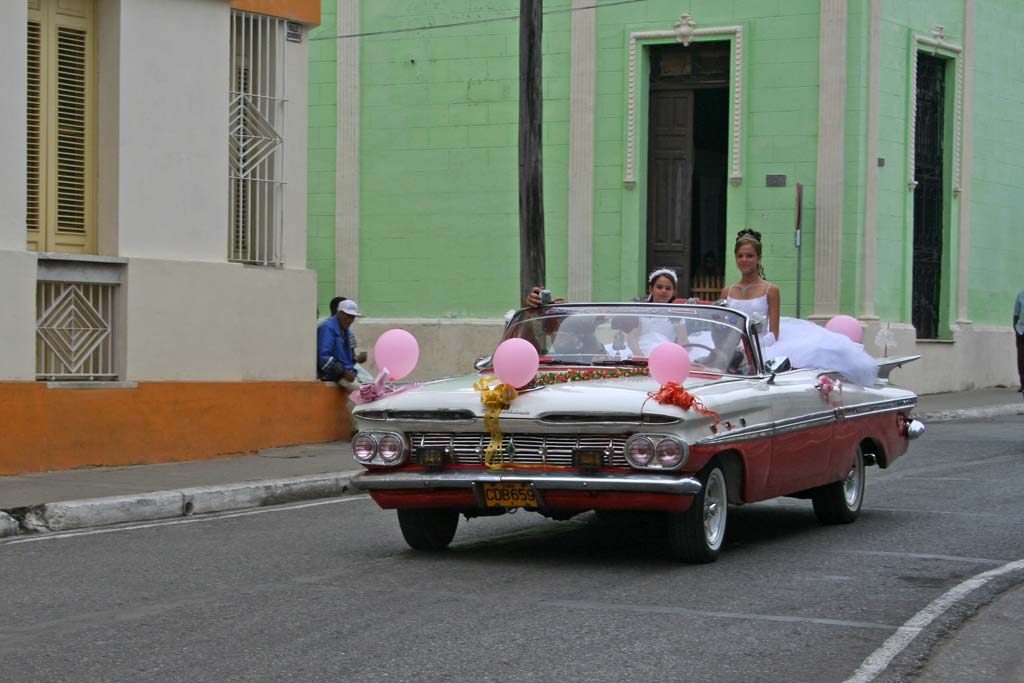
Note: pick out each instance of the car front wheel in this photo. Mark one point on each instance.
(428, 529)
(697, 535)
(840, 501)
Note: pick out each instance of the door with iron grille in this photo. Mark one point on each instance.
(928, 196)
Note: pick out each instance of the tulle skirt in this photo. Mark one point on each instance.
(808, 345)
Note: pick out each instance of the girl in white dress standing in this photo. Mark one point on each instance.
(805, 344)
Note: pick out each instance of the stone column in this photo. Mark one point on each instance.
(346, 220)
(828, 229)
(581, 150)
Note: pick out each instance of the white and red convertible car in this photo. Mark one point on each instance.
(593, 431)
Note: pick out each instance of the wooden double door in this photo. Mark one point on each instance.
(687, 150)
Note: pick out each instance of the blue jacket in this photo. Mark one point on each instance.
(332, 341)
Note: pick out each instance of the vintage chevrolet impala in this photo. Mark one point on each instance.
(594, 431)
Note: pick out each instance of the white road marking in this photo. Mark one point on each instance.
(926, 556)
(897, 642)
(212, 517)
(937, 512)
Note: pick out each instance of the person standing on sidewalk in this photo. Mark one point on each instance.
(335, 359)
(1018, 329)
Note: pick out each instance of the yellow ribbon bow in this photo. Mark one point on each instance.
(495, 399)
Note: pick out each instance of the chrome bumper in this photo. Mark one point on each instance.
(634, 482)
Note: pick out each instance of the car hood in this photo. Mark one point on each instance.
(622, 397)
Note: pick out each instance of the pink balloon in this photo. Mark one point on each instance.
(397, 351)
(669, 362)
(516, 362)
(846, 325)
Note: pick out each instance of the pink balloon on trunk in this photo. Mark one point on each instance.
(669, 362)
(847, 326)
(397, 351)
(516, 362)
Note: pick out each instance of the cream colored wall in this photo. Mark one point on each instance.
(17, 314)
(13, 46)
(978, 356)
(295, 151)
(172, 132)
(447, 347)
(218, 322)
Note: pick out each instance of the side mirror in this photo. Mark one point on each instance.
(482, 363)
(778, 364)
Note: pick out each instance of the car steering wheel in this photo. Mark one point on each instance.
(699, 346)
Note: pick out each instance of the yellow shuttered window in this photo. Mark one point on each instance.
(60, 127)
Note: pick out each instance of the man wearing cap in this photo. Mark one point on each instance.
(335, 360)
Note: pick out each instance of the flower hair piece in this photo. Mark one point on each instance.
(667, 272)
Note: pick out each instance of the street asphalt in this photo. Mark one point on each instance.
(64, 501)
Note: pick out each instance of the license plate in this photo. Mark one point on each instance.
(510, 494)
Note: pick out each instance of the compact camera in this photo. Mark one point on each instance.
(545, 296)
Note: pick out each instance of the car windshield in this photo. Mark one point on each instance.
(626, 334)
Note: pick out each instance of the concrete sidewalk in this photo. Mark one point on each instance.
(74, 499)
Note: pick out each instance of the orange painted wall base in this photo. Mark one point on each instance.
(59, 428)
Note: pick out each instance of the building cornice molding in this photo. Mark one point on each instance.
(685, 31)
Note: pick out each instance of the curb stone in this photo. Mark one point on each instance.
(972, 413)
(80, 514)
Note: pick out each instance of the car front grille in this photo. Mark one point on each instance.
(524, 449)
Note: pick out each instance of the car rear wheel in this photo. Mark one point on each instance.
(697, 535)
(428, 529)
(840, 501)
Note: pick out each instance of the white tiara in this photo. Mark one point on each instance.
(667, 272)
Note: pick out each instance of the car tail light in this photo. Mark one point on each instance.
(669, 453)
(639, 451)
(390, 448)
(364, 447)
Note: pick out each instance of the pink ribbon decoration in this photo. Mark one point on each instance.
(379, 389)
(826, 385)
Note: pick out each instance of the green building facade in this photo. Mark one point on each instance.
(669, 126)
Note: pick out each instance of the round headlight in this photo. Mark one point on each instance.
(669, 453)
(390, 448)
(640, 451)
(364, 447)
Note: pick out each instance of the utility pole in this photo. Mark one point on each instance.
(531, 178)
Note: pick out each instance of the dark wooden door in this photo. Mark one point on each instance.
(927, 268)
(670, 182)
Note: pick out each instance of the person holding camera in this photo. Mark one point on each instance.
(335, 357)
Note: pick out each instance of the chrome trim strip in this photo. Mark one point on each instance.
(750, 433)
(789, 425)
(541, 481)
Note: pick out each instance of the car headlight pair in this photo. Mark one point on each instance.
(379, 448)
(655, 452)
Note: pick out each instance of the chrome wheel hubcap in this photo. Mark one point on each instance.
(715, 507)
(852, 485)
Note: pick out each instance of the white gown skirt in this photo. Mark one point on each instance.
(808, 345)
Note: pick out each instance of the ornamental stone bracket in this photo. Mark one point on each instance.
(685, 31)
(936, 44)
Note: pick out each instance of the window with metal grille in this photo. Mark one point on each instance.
(59, 126)
(256, 152)
(75, 330)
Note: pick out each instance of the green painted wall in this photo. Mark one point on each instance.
(439, 158)
(997, 182)
(323, 132)
(439, 203)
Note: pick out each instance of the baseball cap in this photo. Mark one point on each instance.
(349, 307)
